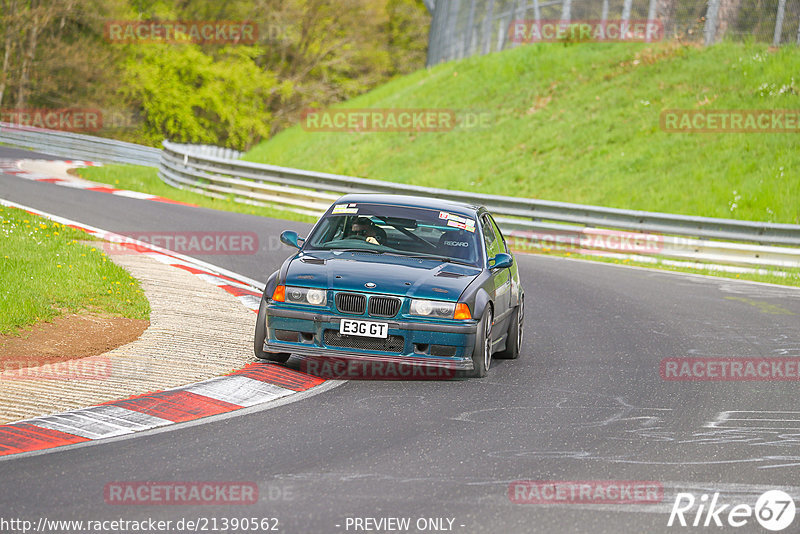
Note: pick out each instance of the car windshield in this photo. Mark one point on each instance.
(398, 230)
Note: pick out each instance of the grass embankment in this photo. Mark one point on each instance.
(45, 272)
(580, 123)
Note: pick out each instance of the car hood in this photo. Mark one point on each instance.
(392, 275)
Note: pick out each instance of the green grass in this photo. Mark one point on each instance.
(580, 123)
(45, 272)
(146, 180)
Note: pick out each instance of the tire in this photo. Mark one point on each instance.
(514, 339)
(482, 353)
(261, 336)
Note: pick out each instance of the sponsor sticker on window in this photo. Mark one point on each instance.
(457, 221)
(345, 209)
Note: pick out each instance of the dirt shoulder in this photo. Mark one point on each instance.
(68, 337)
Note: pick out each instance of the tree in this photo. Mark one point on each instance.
(189, 96)
(53, 54)
(309, 53)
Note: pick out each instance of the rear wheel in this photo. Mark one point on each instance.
(261, 336)
(514, 339)
(482, 353)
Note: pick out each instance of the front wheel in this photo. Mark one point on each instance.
(261, 336)
(482, 353)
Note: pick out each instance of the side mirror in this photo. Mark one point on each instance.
(291, 238)
(502, 261)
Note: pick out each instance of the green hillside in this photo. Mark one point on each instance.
(580, 123)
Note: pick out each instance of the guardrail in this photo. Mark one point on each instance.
(216, 172)
(78, 146)
(312, 192)
(648, 246)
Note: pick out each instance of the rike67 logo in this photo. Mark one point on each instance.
(774, 511)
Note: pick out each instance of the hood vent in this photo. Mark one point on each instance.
(315, 261)
(448, 274)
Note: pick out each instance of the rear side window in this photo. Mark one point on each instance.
(504, 245)
(493, 244)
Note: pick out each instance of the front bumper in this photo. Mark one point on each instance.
(418, 339)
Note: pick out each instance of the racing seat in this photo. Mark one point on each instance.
(452, 244)
(380, 235)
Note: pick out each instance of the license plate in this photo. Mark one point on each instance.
(352, 327)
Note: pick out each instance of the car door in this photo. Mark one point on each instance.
(514, 289)
(500, 278)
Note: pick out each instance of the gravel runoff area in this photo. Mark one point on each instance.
(197, 331)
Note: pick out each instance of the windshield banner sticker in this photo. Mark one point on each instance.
(345, 208)
(458, 221)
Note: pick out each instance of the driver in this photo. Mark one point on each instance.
(363, 227)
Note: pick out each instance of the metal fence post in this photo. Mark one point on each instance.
(469, 29)
(514, 10)
(626, 16)
(626, 10)
(710, 29)
(776, 39)
(507, 26)
(798, 34)
(501, 34)
(537, 13)
(651, 11)
(651, 14)
(604, 16)
(487, 27)
(566, 11)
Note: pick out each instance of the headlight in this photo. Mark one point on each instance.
(306, 295)
(432, 308)
(316, 297)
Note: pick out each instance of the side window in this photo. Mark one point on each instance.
(503, 245)
(493, 245)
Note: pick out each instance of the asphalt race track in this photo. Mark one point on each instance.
(585, 402)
